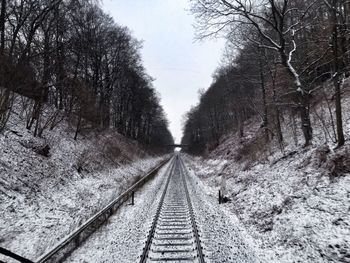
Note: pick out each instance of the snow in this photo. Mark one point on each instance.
(42, 199)
(223, 237)
(123, 237)
(293, 214)
(294, 204)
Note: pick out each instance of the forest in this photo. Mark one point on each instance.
(281, 59)
(68, 60)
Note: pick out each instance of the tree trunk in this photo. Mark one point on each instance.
(38, 106)
(338, 112)
(336, 78)
(302, 99)
(240, 123)
(263, 91)
(2, 26)
(274, 98)
(60, 60)
(6, 102)
(294, 127)
(277, 112)
(78, 127)
(305, 118)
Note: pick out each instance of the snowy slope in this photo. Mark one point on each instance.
(42, 199)
(123, 237)
(295, 203)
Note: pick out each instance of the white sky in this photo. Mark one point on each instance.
(180, 65)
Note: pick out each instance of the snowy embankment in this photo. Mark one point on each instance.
(223, 237)
(43, 198)
(123, 237)
(295, 204)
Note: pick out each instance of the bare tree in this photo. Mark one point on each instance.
(69, 58)
(339, 33)
(277, 22)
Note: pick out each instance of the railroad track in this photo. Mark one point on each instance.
(174, 236)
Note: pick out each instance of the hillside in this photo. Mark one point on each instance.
(44, 195)
(294, 202)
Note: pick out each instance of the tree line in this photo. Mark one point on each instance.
(67, 59)
(278, 55)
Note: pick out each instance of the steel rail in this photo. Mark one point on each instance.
(154, 223)
(101, 216)
(194, 225)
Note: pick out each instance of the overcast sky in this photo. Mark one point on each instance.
(180, 65)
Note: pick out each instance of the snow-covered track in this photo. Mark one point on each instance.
(61, 250)
(173, 236)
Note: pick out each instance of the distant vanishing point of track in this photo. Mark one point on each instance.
(174, 236)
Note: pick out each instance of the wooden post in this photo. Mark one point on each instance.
(132, 198)
(219, 197)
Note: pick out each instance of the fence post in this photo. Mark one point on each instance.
(132, 198)
(219, 197)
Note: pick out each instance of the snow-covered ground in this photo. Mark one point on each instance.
(42, 199)
(293, 215)
(223, 237)
(123, 237)
(294, 204)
